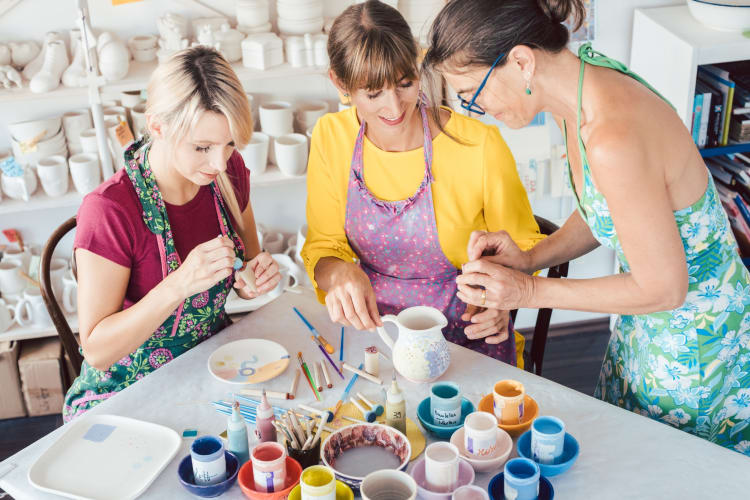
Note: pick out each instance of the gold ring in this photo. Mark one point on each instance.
(484, 296)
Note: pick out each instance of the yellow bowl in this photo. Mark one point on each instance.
(343, 492)
(531, 411)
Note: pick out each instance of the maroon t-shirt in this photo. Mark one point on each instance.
(110, 224)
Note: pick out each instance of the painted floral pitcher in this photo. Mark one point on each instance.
(420, 353)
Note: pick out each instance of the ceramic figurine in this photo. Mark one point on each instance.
(33, 67)
(230, 43)
(22, 53)
(55, 62)
(173, 29)
(114, 58)
(75, 74)
(10, 76)
(4, 55)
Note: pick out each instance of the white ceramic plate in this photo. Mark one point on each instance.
(248, 361)
(105, 456)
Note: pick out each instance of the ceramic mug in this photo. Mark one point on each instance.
(7, 315)
(470, 492)
(480, 434)
(547, 439)
(85, 171)
(291, 154)
(31, 310)
(296, 273)
(57, 270)
(255, 154)
(521, 479)
(11, 281)
(209, 462)
(441, 462)
(388, 485)
(318, 483)
(273, 243)
(20, 257)
(138, 115)
(445, 403)
(70, 292)
(130, 98)
(87, 139)
(507, 403)
(75, 122)
(53, 173)
(20, 187)
(276, 118)
(308, 113)
(269, 466)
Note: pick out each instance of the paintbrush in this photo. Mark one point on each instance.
(310, 380)
(345, 394)
(316, 336)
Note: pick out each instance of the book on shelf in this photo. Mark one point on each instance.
(716, 107)
(697, 117)
(739, 128)
(720, 78)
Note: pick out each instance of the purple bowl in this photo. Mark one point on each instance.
(465, 476)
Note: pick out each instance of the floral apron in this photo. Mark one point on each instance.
(688, 367)
(398, 247)
(195, 320)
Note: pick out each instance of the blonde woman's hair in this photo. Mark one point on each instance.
(190, 83)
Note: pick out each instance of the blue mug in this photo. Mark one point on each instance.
(547, 439)
(209, 463)
(445, 403)
(521, 479)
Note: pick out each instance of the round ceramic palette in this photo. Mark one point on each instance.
(248, 361)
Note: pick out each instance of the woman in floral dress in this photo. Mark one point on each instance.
(680, 351)
(156, 243)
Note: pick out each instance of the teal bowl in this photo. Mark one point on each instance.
(442, 431)
(565, 462)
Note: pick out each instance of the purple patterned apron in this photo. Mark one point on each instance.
(398, 247)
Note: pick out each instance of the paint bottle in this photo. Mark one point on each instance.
(237, 435)
(264, 429)
(395, 407)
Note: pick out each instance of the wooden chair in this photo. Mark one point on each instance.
(69, 342)
(533, 356)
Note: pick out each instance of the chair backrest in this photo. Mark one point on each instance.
(534, 355)
(69, 342)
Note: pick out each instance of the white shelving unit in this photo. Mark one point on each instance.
(669, 45)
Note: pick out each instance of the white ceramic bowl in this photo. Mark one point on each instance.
(726, 15)
(55, 146)
(289, 27)
(291, 11)
(25, 131)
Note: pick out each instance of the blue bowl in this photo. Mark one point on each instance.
(442, 431)
(565, 462)
(185, 472)
(496, 488)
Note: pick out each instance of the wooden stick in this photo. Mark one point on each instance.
(325, 374)
(283, 431)
(292, 435)
(363, 374)
(269, 394)
(293, 388)
(296, 426)
(317, 434)
(352, 419)
(318, 378)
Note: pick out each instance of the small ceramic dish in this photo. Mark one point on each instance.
(565, 462)
(389, 440)
(465, 476)
(485, 464)
(530, 412)
(496, 488)
(247, 481)
(343, 492)
(442, 431)
(185, 473)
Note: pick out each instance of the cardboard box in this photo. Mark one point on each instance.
(11, 400)
(40, 366)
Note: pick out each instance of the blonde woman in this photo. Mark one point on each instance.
(395, 187)
(156, 243)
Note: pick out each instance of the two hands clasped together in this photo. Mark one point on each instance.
(494, 281)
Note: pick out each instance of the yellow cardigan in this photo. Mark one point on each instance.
(476, 186)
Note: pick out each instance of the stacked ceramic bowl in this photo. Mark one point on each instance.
(298, 17)
(37, 139)
(253, 16)
(420, 14)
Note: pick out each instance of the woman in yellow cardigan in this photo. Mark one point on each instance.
(395, 190)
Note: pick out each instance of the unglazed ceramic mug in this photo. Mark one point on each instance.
(441, 462)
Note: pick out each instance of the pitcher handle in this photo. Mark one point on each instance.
(383, 334)
(23, 305)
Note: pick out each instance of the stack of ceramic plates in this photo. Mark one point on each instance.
(37, 139)
(420, 14)
(252, 16)
(299, 17)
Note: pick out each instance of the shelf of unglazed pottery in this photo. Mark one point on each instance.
(18, 332)
(40, 201)
(138, 75)
(273, 177)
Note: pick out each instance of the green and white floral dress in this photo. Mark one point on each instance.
(689, 367)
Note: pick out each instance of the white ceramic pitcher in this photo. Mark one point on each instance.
(420, 353)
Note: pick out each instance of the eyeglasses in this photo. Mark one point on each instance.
(471, 106)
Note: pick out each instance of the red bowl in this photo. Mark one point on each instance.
(247, 482)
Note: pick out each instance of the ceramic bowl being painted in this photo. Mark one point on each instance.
(565, 462)
(496, 488)
(465, 476)
(185, 473)
(247, 481)
(343, 492)
(485, 464)
(424, 414)
(356, 450)
(531, 411)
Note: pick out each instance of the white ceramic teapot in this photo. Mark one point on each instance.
(420, 353)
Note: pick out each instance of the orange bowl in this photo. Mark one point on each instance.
(531, 411)
(247, 481)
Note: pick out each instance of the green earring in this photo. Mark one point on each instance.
(528, 91)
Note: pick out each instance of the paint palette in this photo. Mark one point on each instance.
(248, 361)
(105, 456)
